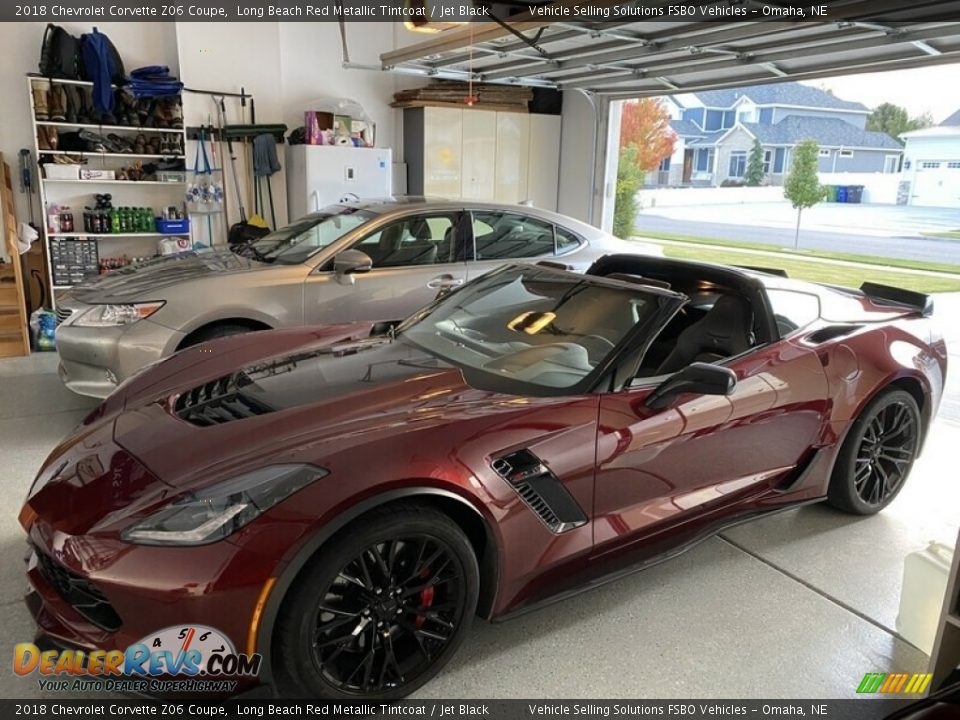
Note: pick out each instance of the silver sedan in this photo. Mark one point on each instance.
(369, 260)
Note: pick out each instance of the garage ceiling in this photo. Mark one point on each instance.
(636, 59)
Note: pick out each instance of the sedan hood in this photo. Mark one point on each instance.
(150, 280)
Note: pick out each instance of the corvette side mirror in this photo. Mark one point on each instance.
(698, 377)
(350, 262)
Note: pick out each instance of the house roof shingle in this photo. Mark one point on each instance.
(685, 128)
(952, 121)
(791, 93)
(830, 132)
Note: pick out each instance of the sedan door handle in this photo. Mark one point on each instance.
(445, 282)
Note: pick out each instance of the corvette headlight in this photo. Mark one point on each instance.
(113, 315)
(214, 513)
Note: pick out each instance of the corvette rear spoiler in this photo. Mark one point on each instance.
(885, 293)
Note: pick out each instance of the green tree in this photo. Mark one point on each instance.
(755, 173)
(629, 181)
(802, 186)
(895, 120)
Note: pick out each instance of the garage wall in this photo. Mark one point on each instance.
(138, 43)
(310, 69)
(577, 157)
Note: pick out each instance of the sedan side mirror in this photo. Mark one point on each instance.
(350, 262)
(698, 377)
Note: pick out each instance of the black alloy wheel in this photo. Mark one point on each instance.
(383, 609)
(878, 454)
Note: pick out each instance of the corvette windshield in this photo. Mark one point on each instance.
(531, 325)
(296, 242)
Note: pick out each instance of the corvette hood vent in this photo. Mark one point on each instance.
(541, 490)
(219, 401)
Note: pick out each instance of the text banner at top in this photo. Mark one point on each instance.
(426, 11)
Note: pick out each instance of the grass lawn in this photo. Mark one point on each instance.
(787, 253)
(951, 234)
(818, 272)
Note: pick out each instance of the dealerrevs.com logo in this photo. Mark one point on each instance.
(200, 657)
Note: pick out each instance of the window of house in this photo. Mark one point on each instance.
(824, 152)
(704, 159)
(930, 165)
(846, 153)
(954, 165)
(738, 164)
(665, 164)
(793, 310)
(504, 236)
(767, 157)
(891, 163)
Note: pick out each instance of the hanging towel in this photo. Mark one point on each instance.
(265, 162)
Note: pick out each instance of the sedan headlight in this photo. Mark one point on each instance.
(214, 513)
(113, 315)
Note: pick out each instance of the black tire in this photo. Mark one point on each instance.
(877, 455)
(345, 632)
(214, 332)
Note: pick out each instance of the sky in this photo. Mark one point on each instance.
(935, 89)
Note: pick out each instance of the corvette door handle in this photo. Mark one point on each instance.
(445, 282)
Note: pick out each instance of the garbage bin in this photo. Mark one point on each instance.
(841, 193)
(831, 193)
(855, 193)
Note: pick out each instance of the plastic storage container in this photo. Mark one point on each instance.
(173, 227)
(841, 193)
(854, 193)
(925, 574)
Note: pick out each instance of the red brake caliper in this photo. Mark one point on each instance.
(426, 598)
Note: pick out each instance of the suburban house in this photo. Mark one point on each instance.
(716, 129)
(931, 164)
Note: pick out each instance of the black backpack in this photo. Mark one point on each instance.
(97, 51)
(59, 54)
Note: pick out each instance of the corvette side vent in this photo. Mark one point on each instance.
(541, 490)
(219, 401)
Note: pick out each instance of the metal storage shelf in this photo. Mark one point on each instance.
(111, 128)
(66, 188)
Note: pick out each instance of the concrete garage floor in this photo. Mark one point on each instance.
(800, 605)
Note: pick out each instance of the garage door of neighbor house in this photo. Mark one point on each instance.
(937, 184)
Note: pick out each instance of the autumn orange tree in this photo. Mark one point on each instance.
(645, 140)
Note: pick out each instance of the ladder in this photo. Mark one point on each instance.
(14, 332)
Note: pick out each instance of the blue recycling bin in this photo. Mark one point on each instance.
(841, 193)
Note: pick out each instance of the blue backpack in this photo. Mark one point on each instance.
(102, 65)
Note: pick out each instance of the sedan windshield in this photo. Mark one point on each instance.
(296, 242)
(531, 325)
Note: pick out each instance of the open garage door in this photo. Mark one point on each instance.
(609, 56)
(937, 184)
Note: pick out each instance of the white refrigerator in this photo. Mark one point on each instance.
(321, 175)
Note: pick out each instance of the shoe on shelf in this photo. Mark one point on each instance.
(120, 144)
(43, 140)
(41, 99)
(72, 104)
(85, 111)
(96, 142)
(154, 146)
(176, 143)
(140, 144)
(175, 113)
(58, 103)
